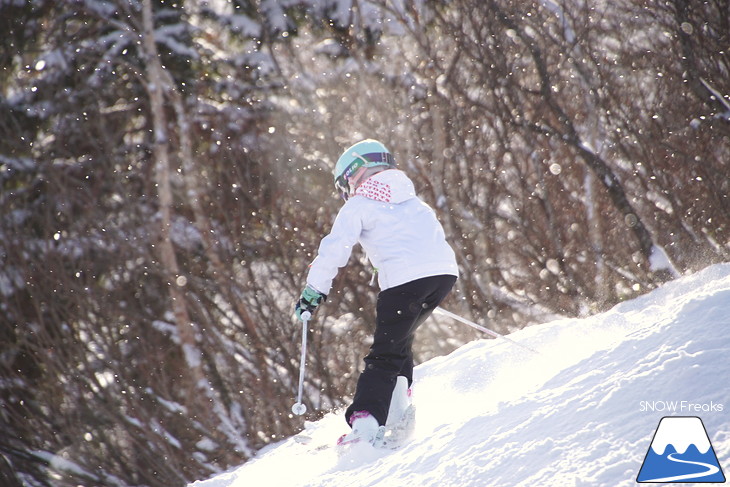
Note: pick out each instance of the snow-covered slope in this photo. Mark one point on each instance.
(582, 412)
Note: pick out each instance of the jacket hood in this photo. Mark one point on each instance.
(389, 186)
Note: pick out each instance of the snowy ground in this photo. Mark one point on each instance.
(581, 413)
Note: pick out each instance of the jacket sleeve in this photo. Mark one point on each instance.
(335, 249)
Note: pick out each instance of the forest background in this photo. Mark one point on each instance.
(165, 179)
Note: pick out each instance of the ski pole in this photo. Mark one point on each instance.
(298, 408)
(481, 328)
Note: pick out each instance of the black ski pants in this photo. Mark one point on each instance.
(400, 311)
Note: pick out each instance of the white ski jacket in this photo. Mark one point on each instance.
(399, 233)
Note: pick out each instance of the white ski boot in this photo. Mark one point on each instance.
(398, 429)
(401, 422)
(399, 402)
(365, 429)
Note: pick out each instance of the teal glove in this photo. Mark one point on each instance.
(309, 300)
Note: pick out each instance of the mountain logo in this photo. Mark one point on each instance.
(680, 452)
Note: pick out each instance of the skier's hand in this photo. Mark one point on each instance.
(309, 300)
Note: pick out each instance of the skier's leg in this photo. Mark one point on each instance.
(439, 288)
(400, 310)
(382, 365)
(407, 369)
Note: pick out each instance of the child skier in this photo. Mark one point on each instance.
(416, 269)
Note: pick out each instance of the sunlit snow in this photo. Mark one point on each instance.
(581, 412)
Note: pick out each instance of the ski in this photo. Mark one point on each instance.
(391, 437)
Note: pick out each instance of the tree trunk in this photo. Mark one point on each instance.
(168, 259)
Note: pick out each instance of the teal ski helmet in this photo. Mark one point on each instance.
(364, 154)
